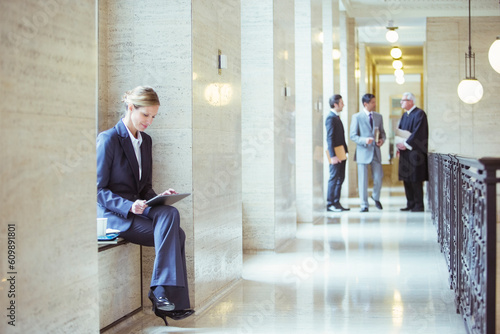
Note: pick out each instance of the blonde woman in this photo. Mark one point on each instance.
(124, 174)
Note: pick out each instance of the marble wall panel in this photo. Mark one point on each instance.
(48, 74)
(150, 44)
(303, 109)
(216, 146)
(349, 93)
(455, 127)
(318, 108)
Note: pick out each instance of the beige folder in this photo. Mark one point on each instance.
(339, 152)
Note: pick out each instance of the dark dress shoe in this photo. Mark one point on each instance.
(377, 203)
(160, 303)
(332, 208)
(337, 208)
(178, 315)
(406, 209)
(364, 210)
(417, 210)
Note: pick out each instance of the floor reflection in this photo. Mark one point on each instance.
(375, 272)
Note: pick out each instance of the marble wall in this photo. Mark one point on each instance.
(216, 152)
(268, 124)
(348, 90)
(196, 135)
(456, 127)
(48, 76)
(309, 109)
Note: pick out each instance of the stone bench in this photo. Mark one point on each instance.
(120, 290)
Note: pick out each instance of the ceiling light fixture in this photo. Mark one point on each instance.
(397, 64)
(399, 73)
(396, 52)
(494, 54)
(470, 89)
(391, 35)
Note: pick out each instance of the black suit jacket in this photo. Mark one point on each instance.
(334, 133)
(118, 184)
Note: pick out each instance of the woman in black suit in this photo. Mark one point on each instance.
(124, 177)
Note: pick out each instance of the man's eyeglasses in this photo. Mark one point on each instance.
(402, 100)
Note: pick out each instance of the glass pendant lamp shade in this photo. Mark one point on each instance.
(494, 55)
(397, 64)
(396, 52)
(470, 91)
(392, 36)
(399, 73)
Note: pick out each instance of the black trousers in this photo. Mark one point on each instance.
(337, 176)
(414, 194)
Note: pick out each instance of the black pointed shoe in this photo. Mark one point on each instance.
(160, 303)
(178, 315)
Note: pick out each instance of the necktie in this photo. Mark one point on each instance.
(371, 120)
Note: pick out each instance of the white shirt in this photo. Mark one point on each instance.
(136, 143)
(409, 111)
(368, 113)
(333, 111)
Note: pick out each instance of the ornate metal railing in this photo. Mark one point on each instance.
(462, 199)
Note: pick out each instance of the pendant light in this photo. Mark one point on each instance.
(494, 54)
(470, 89)
(391, 35)
(396, 53)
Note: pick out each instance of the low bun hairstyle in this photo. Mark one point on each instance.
(141, 96)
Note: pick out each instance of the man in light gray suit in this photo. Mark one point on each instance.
(367, 131)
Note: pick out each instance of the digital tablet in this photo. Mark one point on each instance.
(166, 199)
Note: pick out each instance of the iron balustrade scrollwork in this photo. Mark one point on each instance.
(462, 198)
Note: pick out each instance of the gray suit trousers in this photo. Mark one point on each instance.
(377, 175)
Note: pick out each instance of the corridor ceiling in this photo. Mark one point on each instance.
(372, 17)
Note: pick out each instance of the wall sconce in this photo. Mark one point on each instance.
(222, 62)
(286, 91)
(336, 54)
(470, 89)
(396, 52)
(391, 35)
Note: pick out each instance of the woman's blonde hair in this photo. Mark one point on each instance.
(141, 96)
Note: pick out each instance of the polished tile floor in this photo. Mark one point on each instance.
(375, 272)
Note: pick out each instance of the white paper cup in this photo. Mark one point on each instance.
(102, 224)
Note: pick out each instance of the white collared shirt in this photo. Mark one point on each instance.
(136, 143)
(409, 111)
(368, 112)
(333, 111)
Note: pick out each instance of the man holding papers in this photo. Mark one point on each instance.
(413, 134)
(367, 131)
(336, 153)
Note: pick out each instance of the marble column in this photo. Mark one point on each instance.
(348, 91)
(48, 247)
(309, 109)
(268, 124)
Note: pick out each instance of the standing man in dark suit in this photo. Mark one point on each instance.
(335, 137)
(413, 153)
(367, 131)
